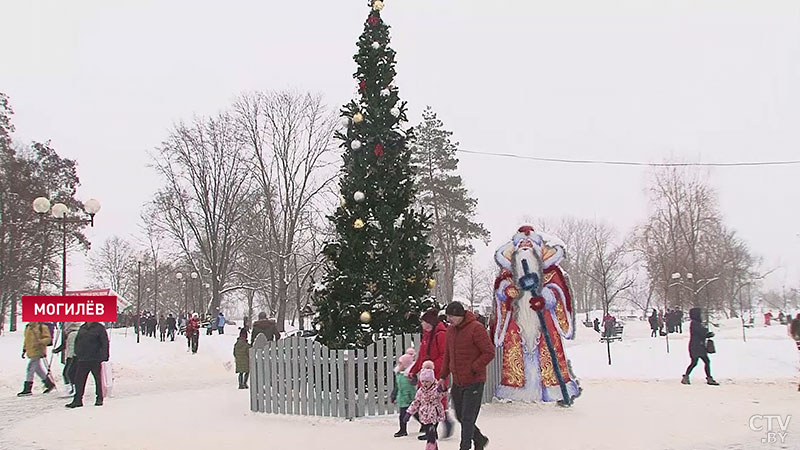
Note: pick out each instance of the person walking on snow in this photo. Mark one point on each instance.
(794, 332)
(221, 323)
(162, 328)
(34, 346)
(428, 404)
(654, 324)
(241, 354)
(68, 347)
(468, 351)
(91, 349)
(266, 327)
(193, 333)
(171, 327)
(432, 347)
(698, 334)
(404, 391)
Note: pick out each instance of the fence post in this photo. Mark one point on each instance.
(256, 368)
(350, 383)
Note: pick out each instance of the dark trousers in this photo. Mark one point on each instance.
(467, 405)
(403, 421)
(243, 378)
(171, 334)
(67, 371)
(221, 330)
(82, 374)
(696, 358)
(430, 433)
(163, 335)
(194, 341)
(654, 333)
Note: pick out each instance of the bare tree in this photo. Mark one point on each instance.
(200, 207)
(473, 285)
(610, 270)
(111, 265)
(290, 140)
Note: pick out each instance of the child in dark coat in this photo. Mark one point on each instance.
(241, 352)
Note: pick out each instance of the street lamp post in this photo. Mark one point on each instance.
(139, 261)
(59, 215)
(195, 304)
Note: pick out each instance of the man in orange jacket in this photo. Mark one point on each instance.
(468, 351)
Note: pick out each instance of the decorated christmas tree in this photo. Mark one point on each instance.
(379, 269)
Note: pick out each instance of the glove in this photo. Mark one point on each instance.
(537, 303)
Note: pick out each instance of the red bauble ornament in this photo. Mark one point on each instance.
(373, 19)
(537, 303)
(379, 150)
(362, 86)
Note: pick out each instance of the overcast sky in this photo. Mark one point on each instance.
(644, 80)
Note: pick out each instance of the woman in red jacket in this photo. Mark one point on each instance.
(432, 347)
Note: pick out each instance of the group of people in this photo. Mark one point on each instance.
(464, 350)
(672, 319)
(241, 349)
(85, 347)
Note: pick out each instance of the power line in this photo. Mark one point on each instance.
(635, 163)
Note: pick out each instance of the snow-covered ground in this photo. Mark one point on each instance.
(166, 398)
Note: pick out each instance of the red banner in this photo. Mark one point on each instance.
(73, 308)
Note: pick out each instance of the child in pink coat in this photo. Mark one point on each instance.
(428, 404)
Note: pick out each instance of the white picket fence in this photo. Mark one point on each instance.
(300, 376)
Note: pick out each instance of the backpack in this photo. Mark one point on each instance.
(51, 327)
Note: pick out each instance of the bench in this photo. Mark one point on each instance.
(615, 334)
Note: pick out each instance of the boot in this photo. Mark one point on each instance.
(711, 381)
(685, 380)
(481, 444)
(48, 385)
(26, 389)
(98, 401)
(74, 404)
(401, 433)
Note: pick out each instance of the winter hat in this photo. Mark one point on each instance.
(262, 315)
(428, 365)
(431, 317)
(194, 316)
(455, 309)
(426, 375)
(405, 360)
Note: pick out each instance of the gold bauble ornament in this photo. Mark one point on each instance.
(365, 317)
(431, 283)
(358, 224)
(378, 5)
(358, 118)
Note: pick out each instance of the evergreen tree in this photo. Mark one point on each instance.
(379, 270)
(442, 193)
